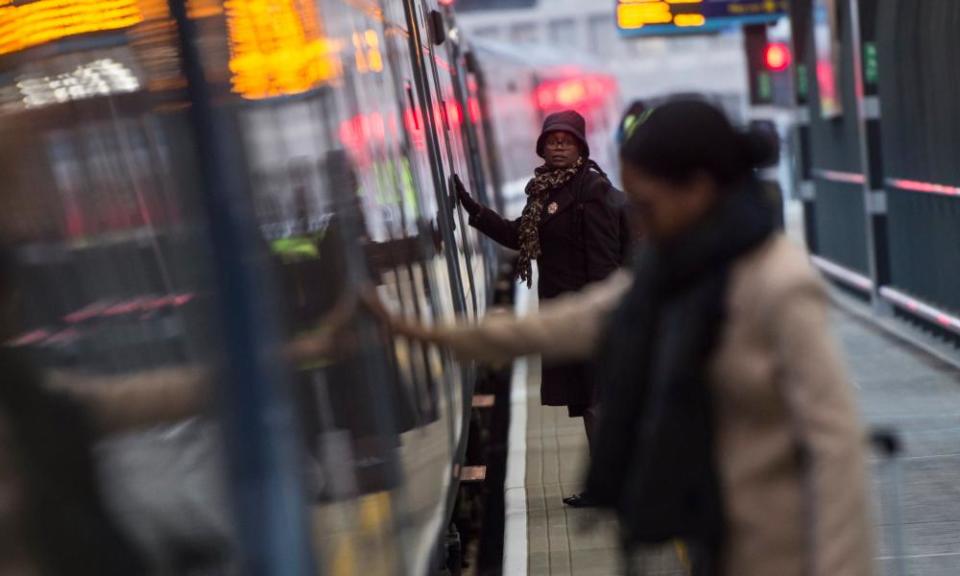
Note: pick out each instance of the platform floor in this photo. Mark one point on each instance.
(896, 385)
(562, 540)
(558, 540)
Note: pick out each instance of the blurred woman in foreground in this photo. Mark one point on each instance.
(726, 418)
(54, 516)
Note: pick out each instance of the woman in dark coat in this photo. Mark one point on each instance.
(575, 227)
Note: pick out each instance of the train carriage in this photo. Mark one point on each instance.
(202, 183)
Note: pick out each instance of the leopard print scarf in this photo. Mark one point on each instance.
(538, 189)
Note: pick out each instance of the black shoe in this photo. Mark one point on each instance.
(579, 501)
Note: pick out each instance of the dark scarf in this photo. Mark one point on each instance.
(653, 460)
(538, 189)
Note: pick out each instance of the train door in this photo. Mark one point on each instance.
(465, 140)
(389, 136)
(438, 108)
(444, 77)
(444, 117)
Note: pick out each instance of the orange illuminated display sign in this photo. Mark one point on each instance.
(277, 48)
(660, 17)
(28, 24)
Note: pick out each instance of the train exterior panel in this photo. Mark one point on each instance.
(201, 184)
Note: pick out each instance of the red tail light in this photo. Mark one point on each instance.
(577, 93)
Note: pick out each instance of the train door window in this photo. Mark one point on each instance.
(449, 113)
(448, 160)
(430, 277)
(419, 161)
(447, 116)
(428, 97)
(477, 117)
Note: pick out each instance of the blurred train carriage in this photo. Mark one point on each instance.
(196, 183)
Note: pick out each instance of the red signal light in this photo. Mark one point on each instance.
(777, 57)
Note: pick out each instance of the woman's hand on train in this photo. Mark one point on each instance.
(469, 204)
(330, 338)
(396, 324)
(310, 346)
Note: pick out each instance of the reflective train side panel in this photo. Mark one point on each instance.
(210, 186)
(202, 184)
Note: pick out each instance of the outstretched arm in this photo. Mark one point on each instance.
(125, 402)
(565, 328)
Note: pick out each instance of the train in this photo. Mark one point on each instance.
(201, 183)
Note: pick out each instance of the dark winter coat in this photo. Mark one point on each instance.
(582, 241)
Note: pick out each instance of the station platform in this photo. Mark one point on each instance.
(897, 386)
(905, 389)
(559, 540)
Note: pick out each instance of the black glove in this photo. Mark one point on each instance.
(472, 207)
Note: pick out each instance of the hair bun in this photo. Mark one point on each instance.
(682, 138)
(761, 148)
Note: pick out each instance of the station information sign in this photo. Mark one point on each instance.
(25, 24)
(278, 48)
(665, 17)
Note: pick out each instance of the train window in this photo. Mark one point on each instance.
(445, 70)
